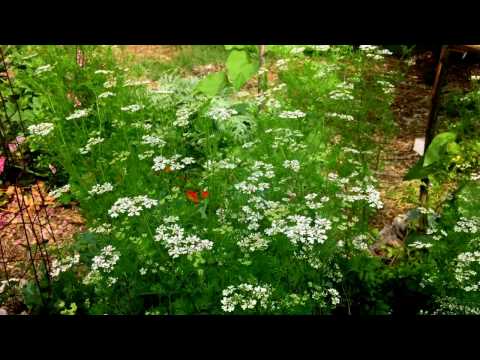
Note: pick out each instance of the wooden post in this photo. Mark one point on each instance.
(262, 79)
(432, 123)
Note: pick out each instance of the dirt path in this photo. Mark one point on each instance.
(410, 108)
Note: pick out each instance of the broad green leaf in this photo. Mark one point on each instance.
(419, 171)
(212, 84)
(231, 47)
(239, 68)
(438, 144)
(453, 148)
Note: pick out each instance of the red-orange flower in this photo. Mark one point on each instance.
(204, 194)
(192, 196)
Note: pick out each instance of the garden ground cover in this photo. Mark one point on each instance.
(240, 202)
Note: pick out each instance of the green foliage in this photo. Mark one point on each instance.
(438, 147)
(243, 178)
(240, 68)
(212, 84)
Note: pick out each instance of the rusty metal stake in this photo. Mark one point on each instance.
(432, 124)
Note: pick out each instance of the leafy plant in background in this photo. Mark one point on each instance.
(200, 199)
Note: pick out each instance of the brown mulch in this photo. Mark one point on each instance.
(154, 52)
(411, 108)
(30, 217)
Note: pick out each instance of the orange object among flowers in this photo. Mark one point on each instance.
(193, 195)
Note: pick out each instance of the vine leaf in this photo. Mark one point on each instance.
(434, 151)
(239, 68)
(212, 84)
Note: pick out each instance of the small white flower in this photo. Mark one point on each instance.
(90, 143)
(132, 108)
(79, 114)
(58, 192)
(221, 113)
(42, 129)
(131, 206)
(103, 72)
(101, 189)
(42, 69)
(294, 165)
(110, 83)
(340, 116)
(297, 114)
(105, 94)
(153, 141)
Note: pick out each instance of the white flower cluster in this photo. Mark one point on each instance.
(469, 226)
(475, 176)
(90, 143)
(58, 192)
(253, 242)
(110, 83)
(146, 155)
(282, 64)
(103, 72)
(131, 206)
(43, 68)
(103, 264)
(297, 114)
(301, 229)
(294, 165)
(183, 115)
(132, 108)
(104, 228)
(62, 265)
(343, 92)
(324, 70)
(449, 306)
(368, 48)
(177, 243)
(221, 113)
(10, 281)
(340, 116)
(358, 193)
(286, 137)
(253, 184)
(249, 144)
(105, 94)
(373, 197)
(321, 295)
(129, 82)
(321, 47)
(420, 245)
(107, 259)
(246, 297)
(174, 163)
(311, 204)
(359, 242)
(42, 129)
(225, 164)
(153, 140)
(121, 156)
(388, 88)
(99, 189)
(77, 114)
(464, 274)
(256, 211)
(297, 50)
(374, 52)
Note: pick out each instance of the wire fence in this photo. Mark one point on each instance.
(28, 219)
